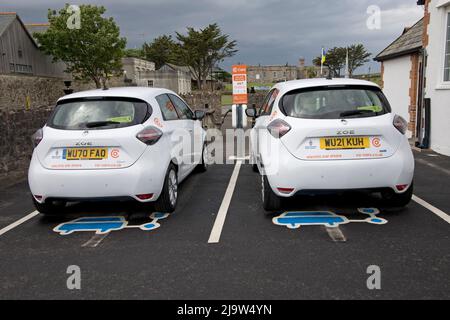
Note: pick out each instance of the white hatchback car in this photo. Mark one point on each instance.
(120, 143)
(330, 135)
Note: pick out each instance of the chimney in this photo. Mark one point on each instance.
(301, 62)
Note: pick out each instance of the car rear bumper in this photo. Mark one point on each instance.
(143, 178)
(314, 176)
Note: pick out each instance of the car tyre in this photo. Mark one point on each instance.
(50, 208)
(167, 201)
(203, 165)
(271, 202)
(394, 200)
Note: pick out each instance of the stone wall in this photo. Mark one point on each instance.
(28, 92)
(16, 128)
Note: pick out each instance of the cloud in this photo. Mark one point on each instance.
(267, 31)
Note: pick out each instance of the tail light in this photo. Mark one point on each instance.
(286, 190)
(149, 135)
(36, 138)
(402, 187)
(278, 128)
(144, 197)
(400, 124)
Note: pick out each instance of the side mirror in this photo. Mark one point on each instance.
(199, 114)
(251, 112)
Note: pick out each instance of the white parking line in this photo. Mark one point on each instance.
(336, 234)
(441, 214)
(95, 240)
(222, 214)
(18, 222)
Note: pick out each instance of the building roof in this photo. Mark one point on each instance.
(179, 68)
(6, 18)
(37, 27)
(410, 41)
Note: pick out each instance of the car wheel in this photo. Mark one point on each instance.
(203, 165)
(167, 201)
(394, 200)
(50, 208)
(271, 202)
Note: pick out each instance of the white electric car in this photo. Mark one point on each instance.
(120, 143)
(330, 135)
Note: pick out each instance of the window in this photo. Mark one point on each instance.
(167, 107)
(12, 67)
(447, 51)
(150, 83)
(103, 113)
(21, 68)
(20, 53)
(182, 108)
(335, 103)
(267, 106)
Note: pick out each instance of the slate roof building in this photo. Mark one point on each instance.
(416, 76)
(19, 51)
(401, 64)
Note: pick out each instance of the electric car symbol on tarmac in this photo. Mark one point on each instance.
(295, 220)
(102, 225)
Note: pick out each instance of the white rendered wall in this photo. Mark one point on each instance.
(397, 82)
(436, 89)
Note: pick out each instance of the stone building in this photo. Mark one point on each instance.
(273, 74)
(170, 76)
(19, 51)
(135, 71)
(401, 65)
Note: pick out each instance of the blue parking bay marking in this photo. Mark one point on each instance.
(295, 220)
(103, 225)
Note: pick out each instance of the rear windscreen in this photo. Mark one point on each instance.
(101, 113)
(335, 103)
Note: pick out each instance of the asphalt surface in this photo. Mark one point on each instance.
(254, 259)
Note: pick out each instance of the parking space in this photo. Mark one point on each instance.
(253, 258)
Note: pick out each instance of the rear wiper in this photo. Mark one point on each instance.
(95, 124)
(355, 113)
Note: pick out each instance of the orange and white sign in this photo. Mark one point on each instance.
(240, 84)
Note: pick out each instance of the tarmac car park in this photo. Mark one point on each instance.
(219, 242)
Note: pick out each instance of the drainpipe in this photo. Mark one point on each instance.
(425, 112)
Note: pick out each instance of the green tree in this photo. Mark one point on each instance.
(160, 51)
(335, 60)
(92, 52)
(336, 57)
(311, 72)
(134, 53)
(202, 49)
(357, 57)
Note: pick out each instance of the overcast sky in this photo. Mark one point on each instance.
(267, 31)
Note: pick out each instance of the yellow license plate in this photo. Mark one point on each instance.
(342, 143)
(85, 153)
